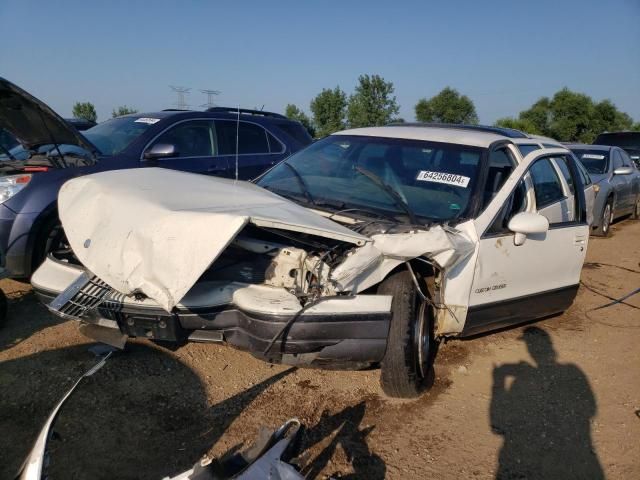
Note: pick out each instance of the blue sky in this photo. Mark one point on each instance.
(503, 54)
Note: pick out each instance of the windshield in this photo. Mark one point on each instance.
(434, 180)
(621, 139)
(113, 136)
(595, 161)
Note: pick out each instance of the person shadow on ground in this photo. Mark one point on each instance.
(543, 412)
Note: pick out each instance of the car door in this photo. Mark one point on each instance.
(622, 186)
(196, 148)
(633, 180)
(258, 149)
(519, 282)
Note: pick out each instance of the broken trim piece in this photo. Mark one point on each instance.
(34, 463)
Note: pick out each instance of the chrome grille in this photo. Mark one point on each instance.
(86, 293)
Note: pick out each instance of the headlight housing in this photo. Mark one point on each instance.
(12, 184)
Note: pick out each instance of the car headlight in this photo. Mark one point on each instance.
(12, 184)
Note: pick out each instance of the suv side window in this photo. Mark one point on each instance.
(546, 183)
(194, 138)
(501, 164)
(252, 138)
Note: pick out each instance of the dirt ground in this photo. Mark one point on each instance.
(556, 399)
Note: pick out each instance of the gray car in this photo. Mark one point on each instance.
(617, 181)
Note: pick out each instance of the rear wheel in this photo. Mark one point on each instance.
(604, 230)
(407, 367)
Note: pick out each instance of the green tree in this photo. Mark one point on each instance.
(571, 117)
(373, 103)
(85, 110)
(294, 113)
(448, 106)
(538, 115)
(518, 124)
(328, 108)
(122, 110)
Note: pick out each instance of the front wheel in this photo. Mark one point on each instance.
(407, 367)
(636, 208)
(52, 241)
(604, 230)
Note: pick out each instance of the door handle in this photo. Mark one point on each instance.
(580, 240)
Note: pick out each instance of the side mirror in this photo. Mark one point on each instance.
(161, 150)
(527, 223)
(623, 171)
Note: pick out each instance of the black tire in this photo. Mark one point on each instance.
(636, 209)
(606, 217)
(407, 366)
(51, 239)
(4, 307)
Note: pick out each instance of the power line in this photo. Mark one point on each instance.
(181, 104)
(210, 95)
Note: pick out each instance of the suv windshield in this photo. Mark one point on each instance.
(595, 161)
(113, 136)
(434, 180)
(619, 139)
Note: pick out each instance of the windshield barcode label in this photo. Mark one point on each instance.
(441, 177)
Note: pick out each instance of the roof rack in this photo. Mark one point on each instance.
(507, 132)
(176, 110)
(245, 111)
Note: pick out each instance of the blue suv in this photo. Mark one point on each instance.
(225, 142)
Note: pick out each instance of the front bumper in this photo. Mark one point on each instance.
(347, 332)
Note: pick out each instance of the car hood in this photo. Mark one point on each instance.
(156, 231)
(33, 123)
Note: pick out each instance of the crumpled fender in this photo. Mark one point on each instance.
(371, 263)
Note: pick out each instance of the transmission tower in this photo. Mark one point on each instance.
(210, 94)
(181, 104)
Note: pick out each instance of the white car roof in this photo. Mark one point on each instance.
(434, 134)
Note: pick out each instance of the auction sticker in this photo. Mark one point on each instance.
(147, 120)
(442, 177)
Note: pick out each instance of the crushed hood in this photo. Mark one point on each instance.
(156, 231)
(33, 123)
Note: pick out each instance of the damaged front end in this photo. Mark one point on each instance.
(231, 262)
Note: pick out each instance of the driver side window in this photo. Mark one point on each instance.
(516, 203)
(194, 138)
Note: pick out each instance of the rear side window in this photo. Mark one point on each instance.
(296, 131)
(566, 172)
(252, 138)
(275, 145)
(547, 185)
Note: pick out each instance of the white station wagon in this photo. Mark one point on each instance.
(362, 250)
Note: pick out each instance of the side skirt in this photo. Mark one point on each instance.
(495, 315)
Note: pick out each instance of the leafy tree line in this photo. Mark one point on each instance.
(87, 111)
(567, 116)
(570, 117)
